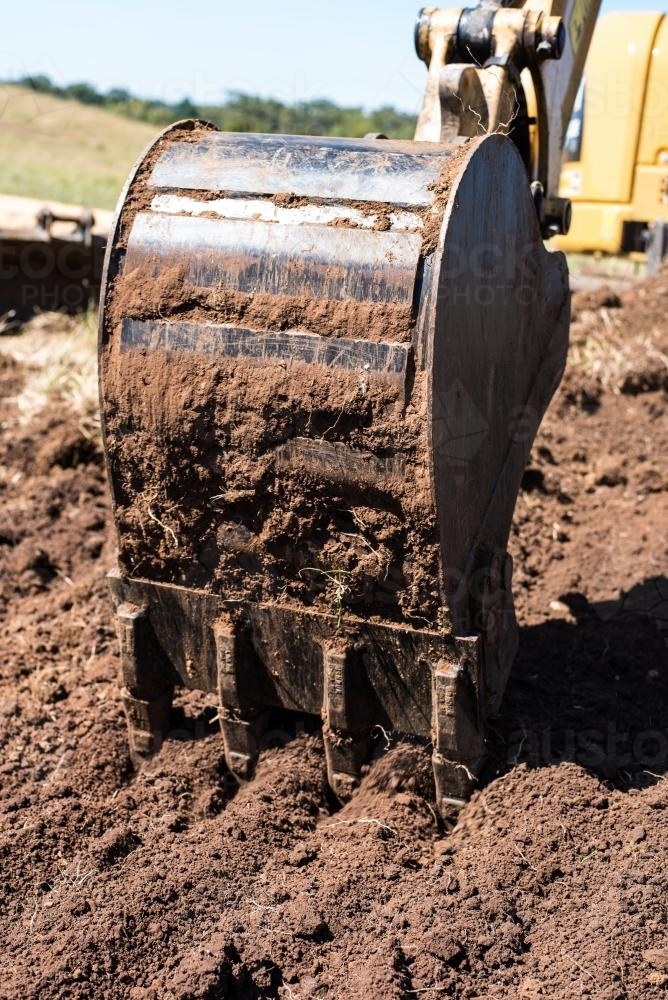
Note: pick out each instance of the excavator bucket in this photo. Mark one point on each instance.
(322, 364)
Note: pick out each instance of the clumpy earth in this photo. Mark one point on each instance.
(174, 883)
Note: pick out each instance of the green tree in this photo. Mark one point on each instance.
(84, 93)
(41, 83)
(240, 112)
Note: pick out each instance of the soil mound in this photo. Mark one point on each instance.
(174, 883)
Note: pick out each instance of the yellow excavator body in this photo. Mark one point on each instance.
(616, 152)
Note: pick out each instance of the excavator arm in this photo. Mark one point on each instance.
(510, 68)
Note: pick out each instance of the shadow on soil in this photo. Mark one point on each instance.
(594, 692)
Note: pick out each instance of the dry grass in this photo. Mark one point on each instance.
(60, 356)
(623, 349)
(60, 150)
(620, 270)
(619, 365)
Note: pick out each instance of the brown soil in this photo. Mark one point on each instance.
(175, 883)
(145, 296)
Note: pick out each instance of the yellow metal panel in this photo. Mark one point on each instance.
(595, 227)
(616, 78)
(598, 226)
(650, 194)
(654, 132)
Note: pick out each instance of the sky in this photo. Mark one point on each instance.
(355, 52)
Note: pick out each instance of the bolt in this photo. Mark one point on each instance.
(550, 38)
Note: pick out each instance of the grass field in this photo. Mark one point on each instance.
(65, 151)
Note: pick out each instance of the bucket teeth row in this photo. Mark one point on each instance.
(345, 698)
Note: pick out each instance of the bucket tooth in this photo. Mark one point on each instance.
(345, 754)
(148, 722)
(147, 698)
(242, 726)
(459, 747)
(241, 737)
(347, 741)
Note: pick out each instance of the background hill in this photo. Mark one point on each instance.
(76, 145)
(51, 148)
